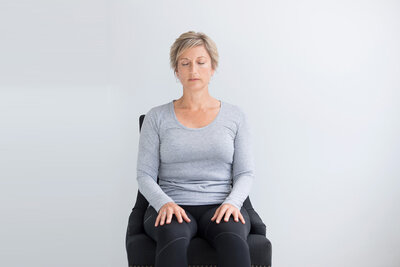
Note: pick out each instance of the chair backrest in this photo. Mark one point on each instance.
(141, 201)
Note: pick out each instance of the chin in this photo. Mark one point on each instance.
(195, 86)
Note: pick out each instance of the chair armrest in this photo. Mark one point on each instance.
(135, 223)
(257, 225)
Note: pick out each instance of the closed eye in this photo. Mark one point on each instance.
(188, 64)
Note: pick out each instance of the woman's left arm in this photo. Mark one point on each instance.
(243, 172)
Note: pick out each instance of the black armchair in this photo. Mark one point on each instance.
(141, 248)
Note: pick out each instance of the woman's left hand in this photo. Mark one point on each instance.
(227, 209)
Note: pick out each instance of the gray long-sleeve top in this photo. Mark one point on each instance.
(195, 166)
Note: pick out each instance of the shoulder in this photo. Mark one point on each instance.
(235, 108)
(157, 111)
(235, 111)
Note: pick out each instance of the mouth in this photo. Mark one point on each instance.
(193, 80)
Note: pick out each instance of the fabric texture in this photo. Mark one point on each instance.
(196, 166)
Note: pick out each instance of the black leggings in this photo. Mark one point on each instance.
(228, 238)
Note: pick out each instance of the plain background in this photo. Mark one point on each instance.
(319, 81)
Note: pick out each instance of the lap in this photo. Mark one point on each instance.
(202, 226)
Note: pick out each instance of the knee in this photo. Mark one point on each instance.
(229, 228)
(230, 240)
(176, 230)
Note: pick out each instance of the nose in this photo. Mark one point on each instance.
(193, 68)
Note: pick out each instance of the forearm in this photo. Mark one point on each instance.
(240, 191)
(153, 192)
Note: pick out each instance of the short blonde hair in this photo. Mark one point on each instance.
(191, 39)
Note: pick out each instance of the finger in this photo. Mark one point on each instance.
(215, 214)
(178, 216)
(217, 211)
(242, 218)
(221, 214)
(169, 217)
(228, 214)
(157, 220)
(162, 218)
(185, 216)
(236, 216)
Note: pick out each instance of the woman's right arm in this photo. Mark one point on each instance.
(148, 161)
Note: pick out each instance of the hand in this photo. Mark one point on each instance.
(228, 209)
(168, 210)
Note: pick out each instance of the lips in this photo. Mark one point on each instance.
(193, 79)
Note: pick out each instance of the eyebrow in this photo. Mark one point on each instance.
(189, 58)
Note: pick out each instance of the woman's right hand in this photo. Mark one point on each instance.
(168, 210)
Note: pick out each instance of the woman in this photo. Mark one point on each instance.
(197, 146)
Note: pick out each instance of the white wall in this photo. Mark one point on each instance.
(319, 80)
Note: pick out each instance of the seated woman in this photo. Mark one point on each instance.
(200, 148)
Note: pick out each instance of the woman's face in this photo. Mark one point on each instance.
(195, 63)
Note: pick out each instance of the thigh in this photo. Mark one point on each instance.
(167, 231)
(210, 229)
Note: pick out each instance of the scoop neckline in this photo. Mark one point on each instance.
(195, 129)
